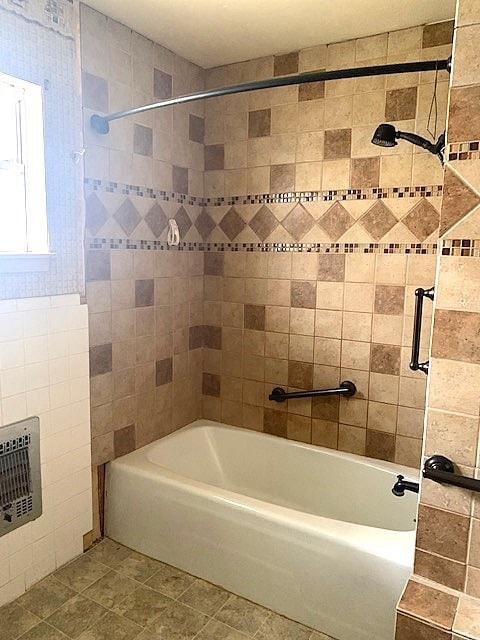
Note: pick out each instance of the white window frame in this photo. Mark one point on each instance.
(34, 254)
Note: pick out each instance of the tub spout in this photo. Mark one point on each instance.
(403, 485)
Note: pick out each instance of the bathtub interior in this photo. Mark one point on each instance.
(305, 478)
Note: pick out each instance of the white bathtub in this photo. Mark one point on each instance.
(311, 533)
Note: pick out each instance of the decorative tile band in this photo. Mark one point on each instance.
(464, 150)
(376, 193)
(467, 248)
(273, 247)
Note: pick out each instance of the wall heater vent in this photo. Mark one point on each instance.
(20, 483)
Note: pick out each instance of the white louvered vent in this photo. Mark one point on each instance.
(20, 483)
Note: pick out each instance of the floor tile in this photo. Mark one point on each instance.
(111, 589)
(109, 552)
(170, 581)
(242, 615)
(143, 606)
(278, 628)
(112, 627)
(45, 597)
(316, 635)
(216, 630)
(44, 631)
(81, 573)
(14, 621)
(138, 567)
(204, 597)
(76, 616)
(178, 622)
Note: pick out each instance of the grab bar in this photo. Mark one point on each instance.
(440, 469)
(420, 294)
(346, 388)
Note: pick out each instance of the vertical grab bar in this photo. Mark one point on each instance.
(420, 294)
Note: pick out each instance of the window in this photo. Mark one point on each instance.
(23, 219)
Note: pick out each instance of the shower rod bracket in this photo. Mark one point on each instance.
(346, 388)
(101, 123)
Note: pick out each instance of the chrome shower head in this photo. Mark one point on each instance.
(385, 136)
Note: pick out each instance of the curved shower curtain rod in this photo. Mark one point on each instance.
(101, 123)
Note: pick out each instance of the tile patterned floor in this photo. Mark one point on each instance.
(113, 593)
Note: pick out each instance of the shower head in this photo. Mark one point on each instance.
(386, 136)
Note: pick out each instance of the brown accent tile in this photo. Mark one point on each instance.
(97, 265)
(156, 220)
(282, 178)
(380, 445)
(163, 371)
(464, 115)
(214, 155)
(385, 358)
(96, 213)
(232, 224)
(275, 422)
(127, 216)
(204, 224)
(298, 222)
(214, 263)
(211, 385)
(389, 299)
(179, 179)
(338, 144)
(412, 629)
(442, 532)
(441, 570)
(94, 92)
(196, 128)
(259, 123)
(311, 91)
(437, 34)
(331, 267)
(422, 220)
(457, 336)
(401, 104)
(144, 292)
(254, 317)
(100, 359)
(183, 221)
(458, 200)
(124, 440)
(326, 408)
(336, 221)
(428, 603)
(285, 64)
(195, 337)
(212, 337)
(378, 220)
(303, 294)
(300, 375)
(263, 223)
(142, 140)
(162, 84)
(365, 173)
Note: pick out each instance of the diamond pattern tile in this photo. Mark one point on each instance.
(378, 220)
(127, 217)
(204, 224)
(263, 223)
(156, 220)
(336, 221)
(298, 222)
(183, 221)
(422, 220)
(232, 224)
(95, 213)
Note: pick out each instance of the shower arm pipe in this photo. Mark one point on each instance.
(101, 123)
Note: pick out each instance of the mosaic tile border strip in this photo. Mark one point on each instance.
(464, 150)
(376, 193)
(464, 247)
(273, 247)
(58, 15)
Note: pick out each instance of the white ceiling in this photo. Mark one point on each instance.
(216, 32)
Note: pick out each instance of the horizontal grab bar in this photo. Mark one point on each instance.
(440, 469)
(346, 388)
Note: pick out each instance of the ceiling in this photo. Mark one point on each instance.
(216, 32)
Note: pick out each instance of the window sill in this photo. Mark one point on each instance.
(24, 262)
